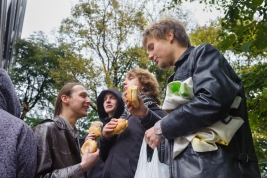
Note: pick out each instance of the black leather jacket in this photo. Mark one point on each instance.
(215, 86)
(58, 152)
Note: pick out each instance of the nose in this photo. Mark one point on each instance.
(124, 83)
(108, 99)
(150, 56)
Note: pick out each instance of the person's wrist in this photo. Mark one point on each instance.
(146, 113)
(158, 130)
(83, 166)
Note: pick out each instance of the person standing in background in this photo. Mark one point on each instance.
(109, 105)
(18, 148)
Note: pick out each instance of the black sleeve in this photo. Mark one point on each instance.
(154, 115)
(105, 146)
(214, 93)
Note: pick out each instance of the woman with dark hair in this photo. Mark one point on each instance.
(121, 152)
(58, 143)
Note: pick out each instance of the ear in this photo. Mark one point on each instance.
(169, 36)
(65, 99)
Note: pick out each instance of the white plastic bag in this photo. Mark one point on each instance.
(153, 169)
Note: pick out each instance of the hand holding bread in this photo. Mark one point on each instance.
(134, 102)
(91, 144)
(132, 93)
(122, 124)
(114, 126)
(95, 128)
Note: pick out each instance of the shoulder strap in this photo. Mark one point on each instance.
(46, 120)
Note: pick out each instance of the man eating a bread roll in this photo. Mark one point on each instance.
(122, 137)
(109, 105)
(59, 152)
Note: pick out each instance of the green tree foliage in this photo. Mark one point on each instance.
(30, 72)
(39, 71)
(244, 25)
(206, 34)
(107, 31)
(255, 84)
(72, 67)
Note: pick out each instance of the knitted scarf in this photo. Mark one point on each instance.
(148, 101)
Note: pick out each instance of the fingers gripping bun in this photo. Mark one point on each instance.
(132, 93)
(91, 144)
(96, 128)
(121, 126)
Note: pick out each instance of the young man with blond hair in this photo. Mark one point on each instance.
(215, 88)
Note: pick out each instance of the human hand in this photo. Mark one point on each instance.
(89, 159)
(140, 111)
(109, 128)
(151, 138)
(91, 136)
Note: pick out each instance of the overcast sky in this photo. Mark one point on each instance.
(46, 15)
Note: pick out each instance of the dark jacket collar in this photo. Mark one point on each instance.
(180, 61)
(183, 57)
(64, 125)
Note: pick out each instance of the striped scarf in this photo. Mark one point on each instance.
(148, 101)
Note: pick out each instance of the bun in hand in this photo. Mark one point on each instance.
(121, 126)
(95, 128)
(92, 144)
(132, 93)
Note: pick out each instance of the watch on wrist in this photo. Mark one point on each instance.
(158, 130)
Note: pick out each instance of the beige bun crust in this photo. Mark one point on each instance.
(121, 126)
(132, 93)
(92, 144)
(96, 130)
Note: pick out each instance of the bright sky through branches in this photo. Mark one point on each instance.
(46, 15)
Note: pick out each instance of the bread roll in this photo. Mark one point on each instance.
(96, 128)
(92, 144)
(132, 93)
(121, 126)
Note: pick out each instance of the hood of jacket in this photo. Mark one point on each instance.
(100, 108)
(8, 98)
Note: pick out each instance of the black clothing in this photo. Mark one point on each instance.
(100, 108)
(97, 170)
(122, 151)
(215, 86)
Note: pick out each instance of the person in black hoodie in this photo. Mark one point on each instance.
(110, 105)
(121, 152)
